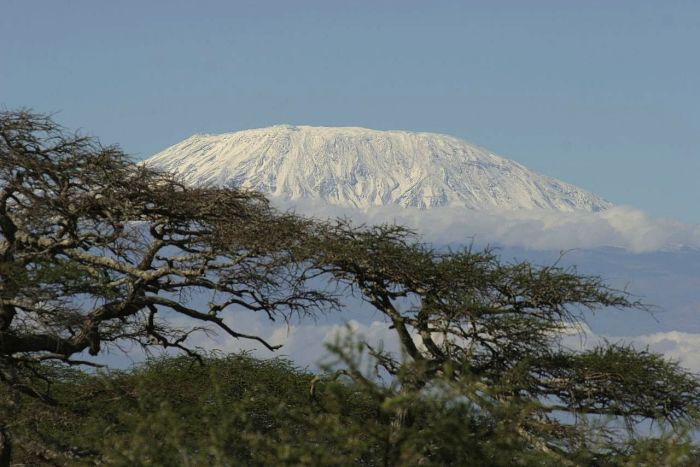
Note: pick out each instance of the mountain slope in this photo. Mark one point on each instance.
(358, 167)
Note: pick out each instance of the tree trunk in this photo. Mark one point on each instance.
(5, 447)
(400, 421)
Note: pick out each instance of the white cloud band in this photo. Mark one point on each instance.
(620, 226)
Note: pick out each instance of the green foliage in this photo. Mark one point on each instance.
(96, 251)
(174, 411)
(491, 332)
(237, 410)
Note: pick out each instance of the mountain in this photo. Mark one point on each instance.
(358, 167)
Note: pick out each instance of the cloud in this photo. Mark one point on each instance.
(620, 226)
(305, 343)
(679, 346)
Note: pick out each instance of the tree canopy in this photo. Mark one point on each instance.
(490, 334)
(96, 251)
(94, 247)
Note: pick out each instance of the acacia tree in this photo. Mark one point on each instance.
(96, 251)
(477, 332)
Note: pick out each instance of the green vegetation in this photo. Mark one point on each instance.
(233, 410)
(236, 410)
(96, 252)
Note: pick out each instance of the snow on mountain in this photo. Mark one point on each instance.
(362, 168)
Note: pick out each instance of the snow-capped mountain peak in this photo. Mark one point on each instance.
(359, 167)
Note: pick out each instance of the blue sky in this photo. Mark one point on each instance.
(600, 94)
